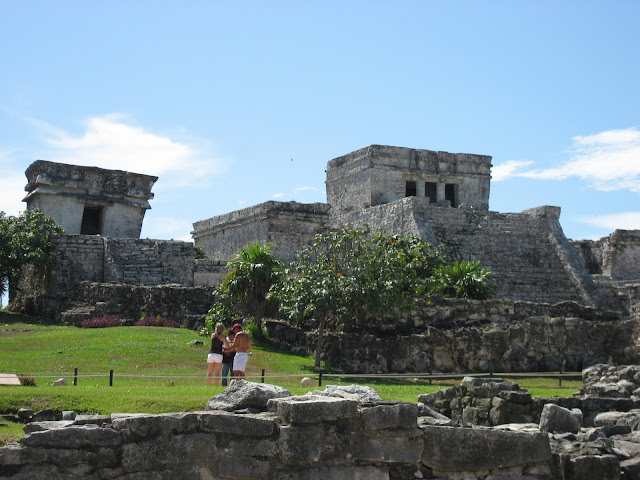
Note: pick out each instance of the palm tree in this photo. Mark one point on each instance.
(252, 272)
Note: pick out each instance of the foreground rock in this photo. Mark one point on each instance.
(309, 437)
(241, 394)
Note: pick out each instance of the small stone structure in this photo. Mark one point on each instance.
(308, 437)
(380, 174)
(90, 200)
(258, 431)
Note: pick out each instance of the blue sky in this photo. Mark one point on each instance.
(235, 103)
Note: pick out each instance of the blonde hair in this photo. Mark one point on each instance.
(219, 328)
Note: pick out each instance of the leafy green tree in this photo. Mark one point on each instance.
(252, 272)
(25, 240)
(349, 274)
(464, 280)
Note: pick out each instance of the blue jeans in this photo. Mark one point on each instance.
(227, 368)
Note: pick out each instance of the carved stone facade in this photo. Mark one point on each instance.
(90, 200)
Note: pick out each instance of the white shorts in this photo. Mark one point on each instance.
(240, 361)
(214, 358)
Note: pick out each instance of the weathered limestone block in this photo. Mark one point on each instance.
(241, 466)
(139, 426)
(64, 457)
(593, 467)
(90, 419)
(244, 394)
(388, 447)
(480, 449)
(73, 437)
(246, 425)
(42, 426)
(347, 472)
(313, 408)
(170, 451)
(559, 419)
(310, 444)
(609, 419)
(398, 416)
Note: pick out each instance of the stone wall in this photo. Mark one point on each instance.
(616, 256)
(492, 401)
(528, 253)
(96, 259)
(378, 174)
(449, 335)
(289, 226)
(299, 438)
(186, 305)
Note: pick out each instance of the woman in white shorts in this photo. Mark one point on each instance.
(214, 359)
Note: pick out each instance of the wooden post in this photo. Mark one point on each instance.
(263, 375)
(75, 377)
(320, 379)
(111, 378)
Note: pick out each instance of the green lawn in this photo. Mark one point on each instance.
(156, 370)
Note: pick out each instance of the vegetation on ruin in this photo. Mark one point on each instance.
(252, 272)
(24, 240)
(155, 370)
(349, 275)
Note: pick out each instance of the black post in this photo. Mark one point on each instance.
(75, 378)
(263, 375)
(320, 379)
(111, 378)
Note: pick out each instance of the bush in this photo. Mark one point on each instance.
(464, 280)
(156, 322)
(102, 322)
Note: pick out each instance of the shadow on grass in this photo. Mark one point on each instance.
(12, 317)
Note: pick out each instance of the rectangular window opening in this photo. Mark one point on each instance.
(91, 219)
(430, 189)
(450, 194)
(410, 189)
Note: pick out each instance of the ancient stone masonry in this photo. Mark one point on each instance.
(379, 174)
(444, 199)
(312, 437)
(447, 335)
(616, 256)
(90, 200)
(287, 225)
(112, 262)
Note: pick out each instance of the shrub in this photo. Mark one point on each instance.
(464, 280)
(101, 322)
(156, 322)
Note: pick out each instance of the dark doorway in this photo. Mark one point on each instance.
(450, 193)
(410, 189)
(430, 189)
(91, 221)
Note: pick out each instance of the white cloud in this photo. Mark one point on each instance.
(279, 195)
(607, 161)
(159, 227)
(303, 189)
(109, 142)
(507, 170)
(615, 221)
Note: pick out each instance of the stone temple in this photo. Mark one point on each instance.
(90, 200)
(443, 198)
(103, 266)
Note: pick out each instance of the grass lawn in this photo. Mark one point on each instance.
(157, 370)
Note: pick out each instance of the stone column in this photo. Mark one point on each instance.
(440, 192)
